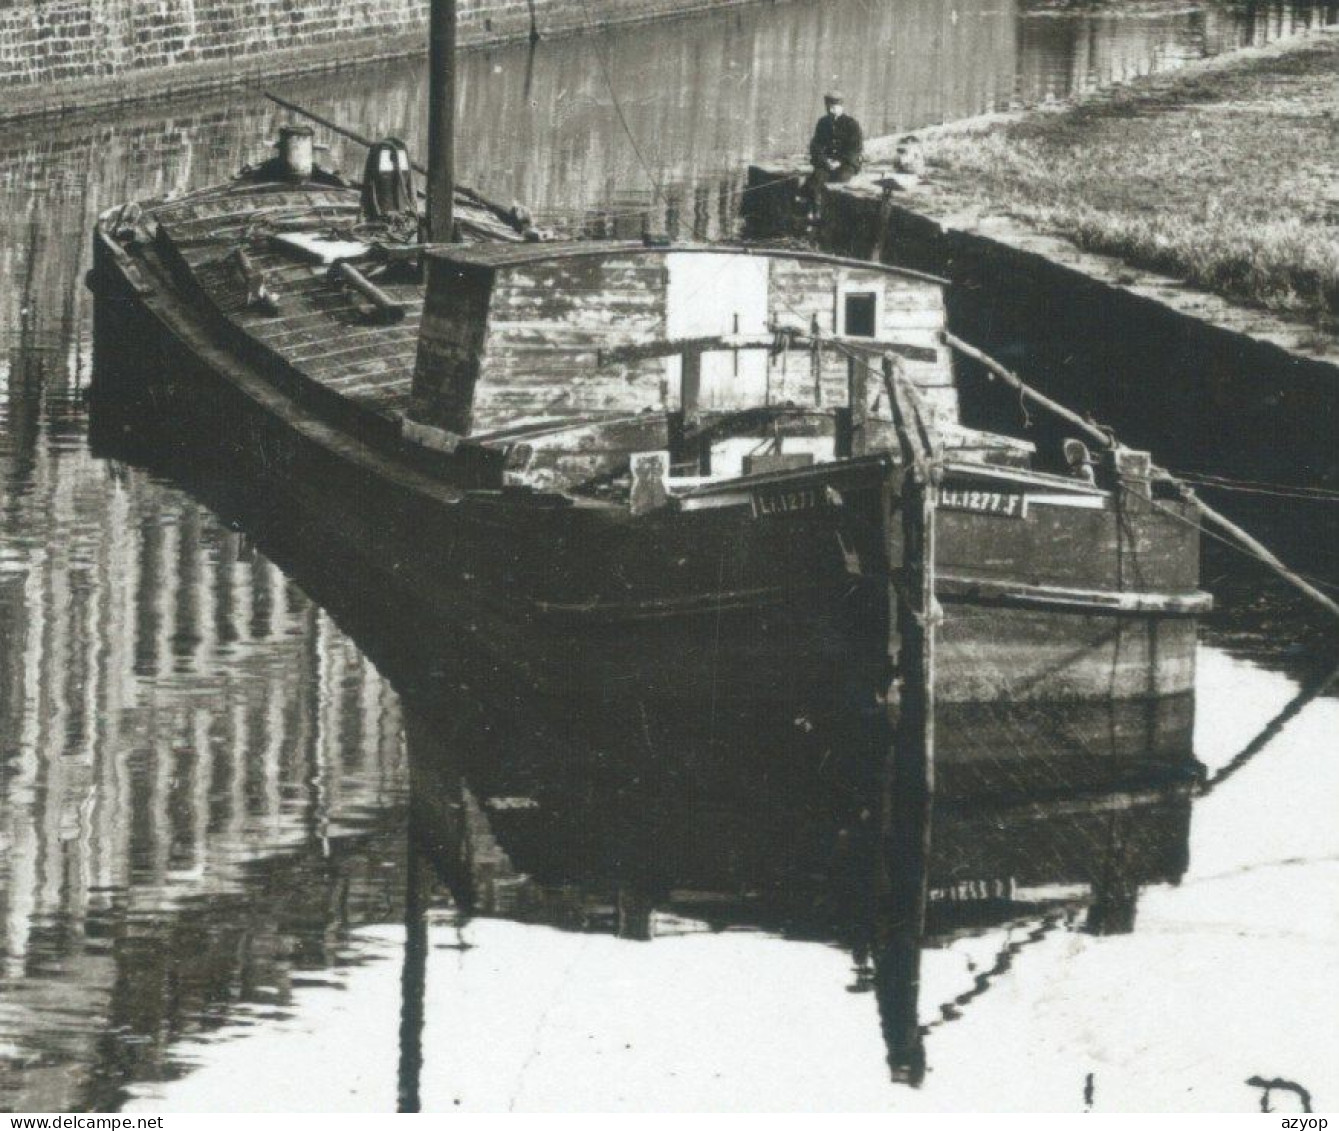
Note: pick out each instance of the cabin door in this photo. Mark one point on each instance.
(711, 294)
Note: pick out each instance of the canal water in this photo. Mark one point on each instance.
(253, 854)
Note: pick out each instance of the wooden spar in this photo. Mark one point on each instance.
(918, 590)
(816, 361)
(333, 127)
(388, 310)
(872, 346)
(441, 121)
(778, 340)
(1259, 550)
(642, 351)
(1206, 512)
(413, 974)
(1014, 381)
(907, 801)
(904, 402)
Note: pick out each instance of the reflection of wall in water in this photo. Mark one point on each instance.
(1059, 56)
(171, 712)
(703, 98)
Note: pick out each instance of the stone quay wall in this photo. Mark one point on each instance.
(66, 55)
(1226, 389)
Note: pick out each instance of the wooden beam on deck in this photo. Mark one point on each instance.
(670, 347)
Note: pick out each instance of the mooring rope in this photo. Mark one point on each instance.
(1240, 548)
(622, 117)
(1271, 730)
(1004, 959)
(1274, 490)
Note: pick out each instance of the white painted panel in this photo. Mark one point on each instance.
(711, 294)
(318, 248)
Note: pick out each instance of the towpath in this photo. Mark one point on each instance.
(1212, 190)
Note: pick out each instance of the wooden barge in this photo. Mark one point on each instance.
(666, 470)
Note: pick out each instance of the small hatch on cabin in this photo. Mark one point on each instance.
(861, 314)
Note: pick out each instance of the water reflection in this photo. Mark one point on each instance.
(189, 752)
(253, 823)
(629, 912)
(648, 830)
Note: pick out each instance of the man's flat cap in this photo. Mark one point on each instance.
(834, 96)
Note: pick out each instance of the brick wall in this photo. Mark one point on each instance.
(69, 54)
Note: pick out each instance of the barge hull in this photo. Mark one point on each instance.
(728, 627)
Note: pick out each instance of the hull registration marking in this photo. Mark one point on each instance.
(1006, 504)
(770, 503)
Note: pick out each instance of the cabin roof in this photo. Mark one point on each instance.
(499, 256)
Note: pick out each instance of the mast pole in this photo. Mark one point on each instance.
(908, 781)
(441, 121)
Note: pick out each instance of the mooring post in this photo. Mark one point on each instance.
(908, 779)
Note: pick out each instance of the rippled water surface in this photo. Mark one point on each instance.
(247, 838)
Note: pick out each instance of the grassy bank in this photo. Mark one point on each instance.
(1226, 176)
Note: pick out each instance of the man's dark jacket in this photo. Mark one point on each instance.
(837, 139)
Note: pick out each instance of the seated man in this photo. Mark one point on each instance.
(837, 150)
